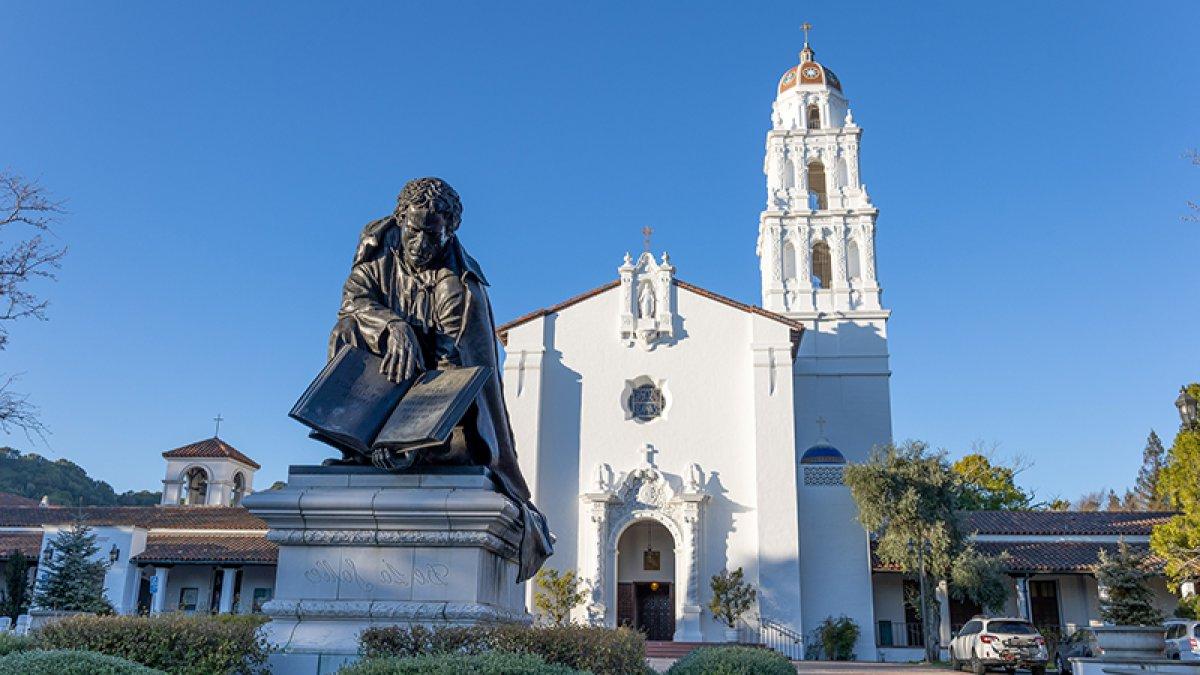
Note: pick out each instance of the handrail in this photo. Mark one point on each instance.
(775, 636)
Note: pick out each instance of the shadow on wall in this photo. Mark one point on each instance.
(718, 518)
(558, 468)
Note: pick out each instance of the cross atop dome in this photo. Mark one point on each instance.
(806, 54)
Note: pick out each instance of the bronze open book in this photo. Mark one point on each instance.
(352, 405)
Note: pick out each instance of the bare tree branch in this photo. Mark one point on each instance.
(1194, 156)
(26, 214)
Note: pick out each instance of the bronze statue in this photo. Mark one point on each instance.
(415, 298)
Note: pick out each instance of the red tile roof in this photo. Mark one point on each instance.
(28, 543)
(211, 447)
(9, 499)
(150, 517)
(1064, 523)
(1057, 556)
(206, 549)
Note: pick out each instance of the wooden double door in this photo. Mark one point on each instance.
(647, 606)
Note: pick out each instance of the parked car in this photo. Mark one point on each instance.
(999, 642)
(1081, 643)
(1183, 639)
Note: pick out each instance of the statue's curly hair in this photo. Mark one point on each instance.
(432, 193)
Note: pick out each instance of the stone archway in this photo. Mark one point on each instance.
(645, 494)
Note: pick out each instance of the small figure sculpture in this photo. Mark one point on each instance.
(646, 300)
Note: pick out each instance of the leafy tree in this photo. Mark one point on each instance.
(909, 493)
(1058, 504)
(1127, 600)
(980, 579)
(1153, 458)
(731, 596)
(63, 481)
(16, 586)
(987, 486)
(556, 594)
(1178, 540)
(838, 637)
(71, 577)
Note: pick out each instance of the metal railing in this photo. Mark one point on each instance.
(899, 634)
(773, 635)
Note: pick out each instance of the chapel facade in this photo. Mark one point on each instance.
(673, 432)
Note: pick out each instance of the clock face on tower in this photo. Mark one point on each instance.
(811, 73)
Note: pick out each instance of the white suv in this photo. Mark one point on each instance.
(1183, 640)
(999, 643)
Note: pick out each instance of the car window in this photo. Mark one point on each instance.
(970, 628)
(1011, 627)
(1196, 630)
(1174, 630)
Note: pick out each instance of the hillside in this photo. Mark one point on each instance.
(64, 482)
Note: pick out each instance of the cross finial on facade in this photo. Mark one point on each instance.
(650, 451)
(806, 26)
(646, 232)
(821, 422)
(218, 419)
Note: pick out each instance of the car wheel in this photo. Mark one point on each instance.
(1037, 670)
(1010, 671)
(977, 667)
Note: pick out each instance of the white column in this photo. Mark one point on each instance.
(943, 597)
(228, 578)
(688, 562)
(159, 602)
(1023, 598)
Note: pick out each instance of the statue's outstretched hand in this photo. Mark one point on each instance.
(402, 359)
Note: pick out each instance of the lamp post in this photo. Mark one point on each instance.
(925, 548)
(1187, 407)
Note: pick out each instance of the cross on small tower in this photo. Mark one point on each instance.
(806, 26)
(821, 422)
(218, 419)
(646, 232)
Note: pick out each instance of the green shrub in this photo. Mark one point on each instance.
(71, 662)
(1189, 607)
(175, 643)
(492, 663)
(733, 661)
(837, 637)
(603, 651)
(10, 643)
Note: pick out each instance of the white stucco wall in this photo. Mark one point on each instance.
(727, 376)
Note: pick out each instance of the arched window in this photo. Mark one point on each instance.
(816, 186)
(239, 489)
(195, 486)
(853, 262)
(814, 117)
(789, 262)
(822, 265)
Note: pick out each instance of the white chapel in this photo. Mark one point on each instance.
(672, 433)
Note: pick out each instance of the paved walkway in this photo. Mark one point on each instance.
(831, 668)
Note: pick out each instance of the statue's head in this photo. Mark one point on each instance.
(428, 212)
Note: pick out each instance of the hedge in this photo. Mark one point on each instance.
(10, 643)
(733, 661)
(174, 643)
(71, 662)
(603, 651)
(492, 663)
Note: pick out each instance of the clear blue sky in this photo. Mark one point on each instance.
(220, 158)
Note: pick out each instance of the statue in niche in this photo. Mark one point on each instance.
(415, 299)
(646, 300)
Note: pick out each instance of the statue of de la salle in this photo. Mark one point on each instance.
(416, 299)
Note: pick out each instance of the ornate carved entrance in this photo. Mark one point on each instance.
(646, 494)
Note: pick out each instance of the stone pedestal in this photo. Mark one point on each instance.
(361, 547)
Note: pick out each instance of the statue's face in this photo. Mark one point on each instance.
(424, 234)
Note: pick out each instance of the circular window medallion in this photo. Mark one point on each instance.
(646, 402)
